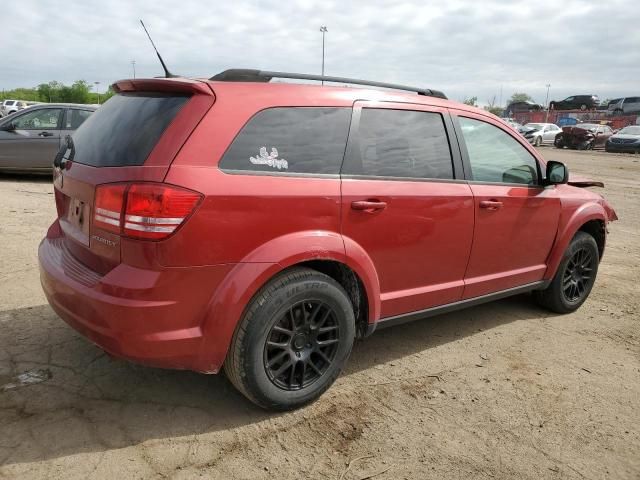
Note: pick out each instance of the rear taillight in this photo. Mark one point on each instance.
(143, 210)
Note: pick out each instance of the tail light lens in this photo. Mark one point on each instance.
(143, 210)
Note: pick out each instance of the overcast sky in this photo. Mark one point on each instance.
(463, 47)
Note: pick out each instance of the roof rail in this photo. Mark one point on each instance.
(247, 75)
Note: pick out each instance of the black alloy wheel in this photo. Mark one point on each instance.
(574, 278)
(302, 345)
(578, 275)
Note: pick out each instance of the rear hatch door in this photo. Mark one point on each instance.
(133, 137)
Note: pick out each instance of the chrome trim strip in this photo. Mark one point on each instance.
(155, 220)
(148, 228)
(108, 213)
(110, 221)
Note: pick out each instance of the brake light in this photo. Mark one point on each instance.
(143, 210)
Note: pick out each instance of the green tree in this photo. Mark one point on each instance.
(473, 101)
(520, 97)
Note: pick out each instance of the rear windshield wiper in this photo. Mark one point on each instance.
(60, 161)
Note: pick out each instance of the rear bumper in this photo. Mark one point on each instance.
(153, 317)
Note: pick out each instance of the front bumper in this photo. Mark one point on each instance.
(622, 147)
(153, 317)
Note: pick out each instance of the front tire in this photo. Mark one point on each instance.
(537, 142)
(575, 277)
(293, 340)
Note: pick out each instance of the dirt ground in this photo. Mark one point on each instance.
(505, 390)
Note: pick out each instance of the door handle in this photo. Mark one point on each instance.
(45, 134)
(368, 205)
(491, 204)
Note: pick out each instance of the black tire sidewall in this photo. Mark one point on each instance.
(257, 382)
(581, 240)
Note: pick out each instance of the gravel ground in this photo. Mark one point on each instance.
(504, 390)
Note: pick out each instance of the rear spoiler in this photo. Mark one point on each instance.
(169, 85)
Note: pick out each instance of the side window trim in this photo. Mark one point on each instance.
(465, 154)
(353, 144)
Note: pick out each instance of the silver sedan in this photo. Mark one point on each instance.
(541, 133)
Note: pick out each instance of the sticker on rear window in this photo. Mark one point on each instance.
(270, 159)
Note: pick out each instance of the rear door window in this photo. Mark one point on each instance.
(400, 143)
(308, 140)
(124, 130)
(495, 156)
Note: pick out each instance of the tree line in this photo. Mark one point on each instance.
(79, 91)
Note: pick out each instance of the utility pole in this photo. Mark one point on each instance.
(133, 64)
(546, 104)
(97, 91)
(323, 29)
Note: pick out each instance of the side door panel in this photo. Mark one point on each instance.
(29, 146)
(420, 241)
(515, 223)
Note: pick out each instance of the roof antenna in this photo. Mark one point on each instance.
(167, 73)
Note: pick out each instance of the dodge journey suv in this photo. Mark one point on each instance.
(262, 227)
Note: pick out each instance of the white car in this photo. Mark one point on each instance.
(11, 106)
(541, 133)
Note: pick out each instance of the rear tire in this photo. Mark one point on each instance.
(293, 340)
(575, 276)
(583, 107)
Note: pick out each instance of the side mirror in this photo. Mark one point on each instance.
(8, 127)
(557, 173)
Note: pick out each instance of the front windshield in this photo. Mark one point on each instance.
(533, 126)
(632, 130)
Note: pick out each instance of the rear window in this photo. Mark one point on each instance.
(291, 140)
(124, 130)
(400, 143)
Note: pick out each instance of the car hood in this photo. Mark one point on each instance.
(577, 132)
(626, 136)
(580, 181)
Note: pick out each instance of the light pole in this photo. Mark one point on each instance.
(97, 91)
(546, 103)
(133, 64)
(323, 29)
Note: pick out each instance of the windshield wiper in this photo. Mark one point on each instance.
(60, 161)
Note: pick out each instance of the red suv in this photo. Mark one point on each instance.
(264, 226)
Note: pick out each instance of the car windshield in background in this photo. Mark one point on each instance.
(632, 130)
(124, 130)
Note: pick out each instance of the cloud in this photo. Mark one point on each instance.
(463, 47)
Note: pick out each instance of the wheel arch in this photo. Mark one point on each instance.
(590, 218)
(319, 250)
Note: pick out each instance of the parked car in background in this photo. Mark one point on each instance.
(623, 106)
(512, 123)
(258, 249)
(525, 106)
(540, 133)
(625, 140)
(584, 136)
(576, 102)
(12, 106)
(30, 139)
